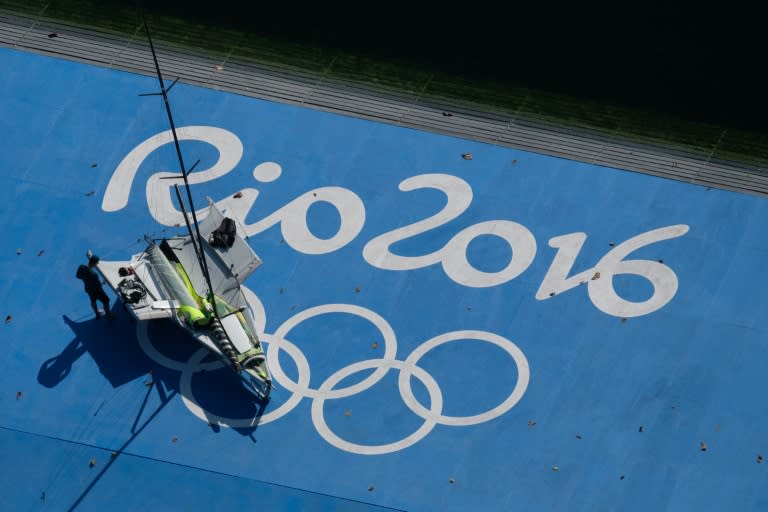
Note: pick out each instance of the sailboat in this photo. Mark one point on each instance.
(195, 279)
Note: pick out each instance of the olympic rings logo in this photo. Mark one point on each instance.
(328, 390)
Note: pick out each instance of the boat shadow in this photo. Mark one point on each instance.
(115, 348)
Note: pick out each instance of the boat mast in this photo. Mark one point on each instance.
(198, 247)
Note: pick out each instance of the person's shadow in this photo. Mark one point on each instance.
(114, 347)
(111, 343)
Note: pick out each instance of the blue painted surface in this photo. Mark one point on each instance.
(74, 389)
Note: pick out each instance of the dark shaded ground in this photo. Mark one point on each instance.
(702, 65)
(657, 73)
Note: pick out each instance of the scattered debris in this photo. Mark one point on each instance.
(596, 276)
(447, 114)
(314, 194)
(640, 429)
(177, 225)
(578, 436)
(451, 481)
(238, 195)
(703, 446)
(219, 67)
(18, 251)
(759, 459)
(174, 439)
(18, 395)
(357, 289)
(374, 345)
(8, 319)
(466, 156)
(52, 35)
(91, 463)
(347, 413)
(89, 194)
(41, 252)
(555, 468)
(370, 488)
(531, 423)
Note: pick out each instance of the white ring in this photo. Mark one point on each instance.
(273, 362)
(326, 388)
(523, 375)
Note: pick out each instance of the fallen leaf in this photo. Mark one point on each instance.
(621, 477)
(52, 35)
(281, 291)
(759, 459)
(42, 251)
(238, 195)
(623, 320)
(612, 244)
(90, 193)
(596, 276)
(347, 413)
(374, 345)
(514, 161)
(174, 439)
(357, 290)
(555, 468)
(447, 114)
(93, 165)
(640, 429)
(531, 423)
(293, 307)
(8, 319)
(578, 436)
(113, 455)
(703, 446)
(469, 308)
(18, 395)
(451, 481)
(466, 156)
(551, 294)
(370, 488)
(92, 463)
(219, 67)
(18, 251)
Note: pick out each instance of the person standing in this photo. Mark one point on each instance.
(87, 273)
